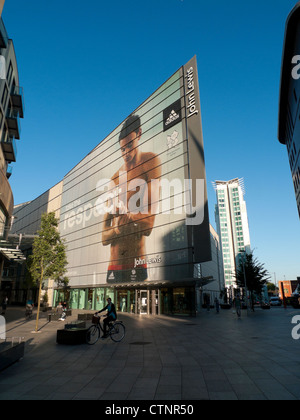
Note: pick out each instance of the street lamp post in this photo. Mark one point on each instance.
(275, 280)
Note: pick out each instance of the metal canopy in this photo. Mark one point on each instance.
(184, 282)
(11, 247)
(12, 254)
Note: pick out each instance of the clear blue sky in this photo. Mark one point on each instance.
(86, 65)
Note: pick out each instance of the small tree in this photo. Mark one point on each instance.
(48, 259)
(254, 273)
(271, 287)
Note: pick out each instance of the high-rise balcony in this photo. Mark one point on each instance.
(9, 148)
(17, 98)
(3, 35)
(13, 123)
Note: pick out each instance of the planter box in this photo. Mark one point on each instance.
(75, 324)
(225, 306)
(85, 317)
(54, 317)
(10, 354)
(71, 336)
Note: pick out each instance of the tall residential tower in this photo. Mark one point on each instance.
(232, 224)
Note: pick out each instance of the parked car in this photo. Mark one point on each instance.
(275, 301)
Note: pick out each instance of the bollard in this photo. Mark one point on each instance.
(2, 328)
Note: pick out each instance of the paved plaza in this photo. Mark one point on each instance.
(209, 357)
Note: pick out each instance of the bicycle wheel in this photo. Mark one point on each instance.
(117, 332)
(92, 335)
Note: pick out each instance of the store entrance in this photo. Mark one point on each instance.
(148, 302)
(143, 302)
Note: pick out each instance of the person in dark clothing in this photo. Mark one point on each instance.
(4, 305)
(111, 315)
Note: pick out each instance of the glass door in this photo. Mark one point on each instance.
(143, 302)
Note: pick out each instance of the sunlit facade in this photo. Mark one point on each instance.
(134, 212)
(232, 225)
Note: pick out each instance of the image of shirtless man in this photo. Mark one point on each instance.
(126, 229)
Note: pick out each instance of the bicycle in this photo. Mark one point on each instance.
(28, 314)
(116, 331)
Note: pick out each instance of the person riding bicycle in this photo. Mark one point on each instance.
(111, 315)
(29, 308)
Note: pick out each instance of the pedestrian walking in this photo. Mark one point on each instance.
(207, 302)
(238, 305)
(217, 303)
(4, 305)
(64, 312)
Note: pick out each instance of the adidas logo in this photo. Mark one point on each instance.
(111, 276)
(173, 117)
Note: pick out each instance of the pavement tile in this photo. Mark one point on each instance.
(223, 396)
(219, 358)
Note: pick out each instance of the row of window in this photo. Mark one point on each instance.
(296, 179)
(9, 87)
(292, 155)
(291, 147)
(289, 129)
(2, 222)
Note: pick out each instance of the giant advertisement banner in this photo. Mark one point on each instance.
(135, 209)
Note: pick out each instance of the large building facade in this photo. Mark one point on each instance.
(232, 225)
(11, 110)
(134, 211)
(289, 109)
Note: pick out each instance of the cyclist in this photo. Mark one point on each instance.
(29, 308)
(111, 315)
